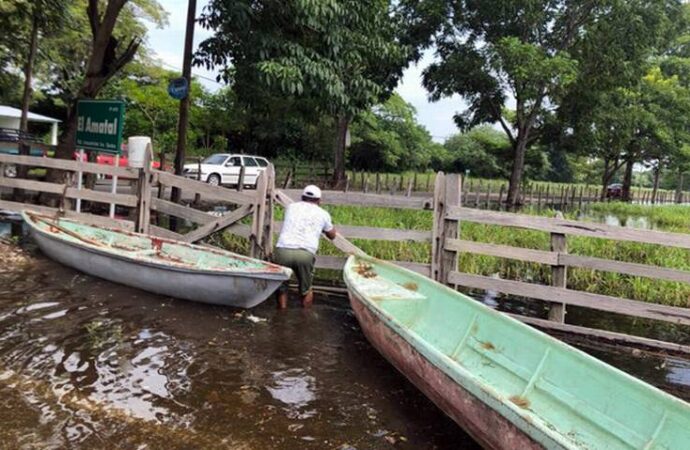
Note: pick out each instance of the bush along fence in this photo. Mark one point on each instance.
(251, 215)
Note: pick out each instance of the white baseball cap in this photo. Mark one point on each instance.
(312, 191)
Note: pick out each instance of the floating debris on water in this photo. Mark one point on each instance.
(256, 319)
(12, 256)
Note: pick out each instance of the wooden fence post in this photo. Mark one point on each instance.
(197, 196)
(572, 196)
(288, 179)
(500, 196)
(258, 217)
(269, 206)
(476, 195)
(451, 228)
(488, 196)
(161, 187)
(378, 183)
(437, 227)
(447, 193)
(559, 274)
(144, 194)
(240, 179)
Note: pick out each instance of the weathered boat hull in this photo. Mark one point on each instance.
(243, 290)
(486, 426)
(508, 385)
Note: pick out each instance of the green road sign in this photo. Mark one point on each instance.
(99, 125)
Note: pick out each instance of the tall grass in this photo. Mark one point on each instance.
(675, 218)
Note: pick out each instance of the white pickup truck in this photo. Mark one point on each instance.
(224, 168)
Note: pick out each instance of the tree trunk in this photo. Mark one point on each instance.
(24, 148)
(342, 122)
(520, 149)
(90, 178)
(183, 120)
(657, 173)
(102, 64)
(610, 169)
(28, 75)
(627, 180)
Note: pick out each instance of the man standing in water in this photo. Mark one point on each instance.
(299, 240)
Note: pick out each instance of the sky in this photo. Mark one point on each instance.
(168, 45)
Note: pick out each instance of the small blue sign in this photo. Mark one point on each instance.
(178, 88)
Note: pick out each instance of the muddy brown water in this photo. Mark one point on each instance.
(85, 363)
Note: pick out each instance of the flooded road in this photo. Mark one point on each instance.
(85, 363)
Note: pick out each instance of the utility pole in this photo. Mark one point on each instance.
(183, 120)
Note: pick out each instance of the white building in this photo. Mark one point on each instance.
(10, 118)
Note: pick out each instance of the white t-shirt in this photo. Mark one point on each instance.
(304, 222)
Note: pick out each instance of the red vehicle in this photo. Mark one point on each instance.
(614, 191)
(109, 160)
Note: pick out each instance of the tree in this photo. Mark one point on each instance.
(665, 135)
(86, 65)
(477, 151)
(340, 54)
(150, 109)
(387, 137)
(532, 52)
(27, 22)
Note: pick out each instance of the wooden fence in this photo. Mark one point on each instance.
(444, 238)
(477, 193)
(447, 244)
(142, 202)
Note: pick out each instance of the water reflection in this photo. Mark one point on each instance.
(88, 364)
(641, 222)
(678, 371)
(295, 389)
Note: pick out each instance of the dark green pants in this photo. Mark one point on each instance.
(302, 264)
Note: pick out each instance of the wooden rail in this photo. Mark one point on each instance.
(560, 259)
(73, 166)
(570, 227)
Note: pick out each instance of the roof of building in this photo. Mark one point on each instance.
(14, 113)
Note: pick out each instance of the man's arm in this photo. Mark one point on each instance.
(331, 234)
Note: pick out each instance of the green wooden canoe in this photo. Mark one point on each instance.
(508, 385)
(154, 264)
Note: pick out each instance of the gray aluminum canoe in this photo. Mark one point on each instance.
(158, 265)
